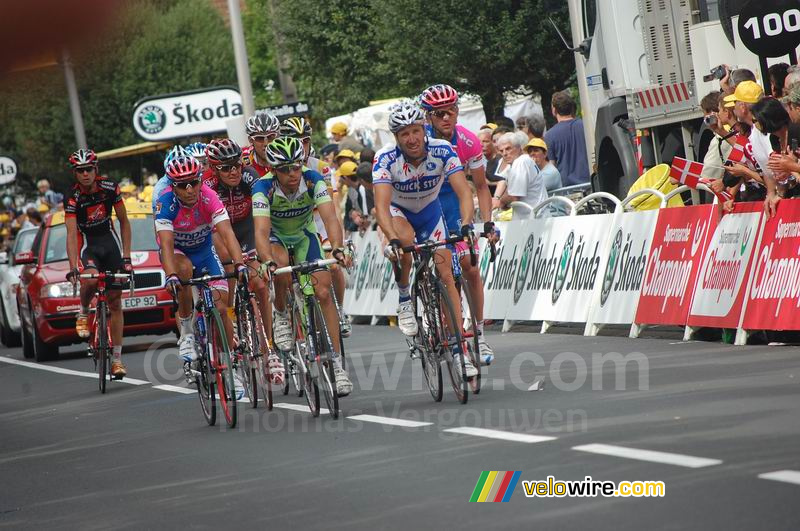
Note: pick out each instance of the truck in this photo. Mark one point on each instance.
(642, 68)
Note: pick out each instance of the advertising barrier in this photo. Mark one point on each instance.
(722, 280)
(773, 296)
(676, 251)
(371, 289)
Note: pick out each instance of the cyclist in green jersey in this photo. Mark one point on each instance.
(283, 211)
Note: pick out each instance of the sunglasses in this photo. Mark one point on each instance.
(225, 168)
(444, 114)
(262, 138)
(84, 169)
(187, 184)
(288, 168)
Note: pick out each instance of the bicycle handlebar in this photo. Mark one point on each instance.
(103, 275)
(198, 281)
(305, 267)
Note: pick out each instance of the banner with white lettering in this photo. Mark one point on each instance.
(623, 268)
(722, 280)
(675, 256)
(371, 288)
(488, 268)
(773, 298)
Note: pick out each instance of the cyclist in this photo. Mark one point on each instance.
(440, 103)
(185, 215)
(262, 128)
(283, 204)
(93, 243)
(234, 186)
(163, 183)
(300, 129)
(406, 178)
(198, 151)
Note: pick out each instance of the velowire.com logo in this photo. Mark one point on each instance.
(495, 486)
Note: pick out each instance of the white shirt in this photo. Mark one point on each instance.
(525, 182)
(761, 149)
(712, 162)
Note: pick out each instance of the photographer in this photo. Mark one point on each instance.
(720, 120)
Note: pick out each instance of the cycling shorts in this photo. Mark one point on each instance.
(428, 223)
(246, 235)
(207, 264)
(451, 209)
(102, 252)
(306, 250)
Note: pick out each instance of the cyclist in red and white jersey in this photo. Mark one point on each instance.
(262, 128)
(440, 103)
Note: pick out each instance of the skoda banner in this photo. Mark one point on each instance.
(371, 289)
(722, 280)
(675, 256)
(185, 114)
(773, 297)
(617, 290)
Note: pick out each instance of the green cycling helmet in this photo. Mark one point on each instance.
(284, 150)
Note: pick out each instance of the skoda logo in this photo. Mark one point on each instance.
(483, 265)
(611, 268)
(387, 279)
(363, 267)
(563, 266)
(152, 119)
(522, 270)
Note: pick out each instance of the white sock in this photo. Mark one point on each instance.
(186, 325)
(117, 352)
(479, 327)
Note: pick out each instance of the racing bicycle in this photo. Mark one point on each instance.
(252, 353)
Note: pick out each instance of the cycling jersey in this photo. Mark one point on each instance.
(238, 201)
(191, 226)
(92, 211)
(414, 188)
(249, 160)
(292, 216)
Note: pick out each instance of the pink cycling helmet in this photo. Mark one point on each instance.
(183, 169)
(438, 96)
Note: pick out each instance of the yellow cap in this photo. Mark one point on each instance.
(346, 153)
(128, 189)
(490, 125)
(42, 208)
(536, 142)
(347, 169)
(339, 128)
(747, 92)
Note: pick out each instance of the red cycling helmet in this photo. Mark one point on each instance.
(438, 96)
(222, 151)
(183, 169)
(83, 157)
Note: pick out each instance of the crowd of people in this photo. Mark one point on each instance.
(753, 155)
(18, 212)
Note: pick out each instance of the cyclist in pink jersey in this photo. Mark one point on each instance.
(441, 105)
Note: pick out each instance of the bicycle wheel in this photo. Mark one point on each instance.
(102, 345)
(426, 343)
(308, 381)
(339, 312)
(222, 363)
(205, 376)
(299, 353)
(471, 343)
(324, 359)
(245, 354)
(458, 374)
(262, 352)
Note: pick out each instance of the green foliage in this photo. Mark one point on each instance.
(259, 40)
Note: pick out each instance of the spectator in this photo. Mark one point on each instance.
(537, 150)
(747, 94)
(729, 83)
(493, 158)
(46, 195)
(366, 198)
(567, 145)
(533, 126)
(340, 137)
(344, 156)
(329, 152)
(346, 175)
(777, 77)
(367, 155)
(33, 218)
(505, 121)
(771, 117)
(792, 77)
(718, 149)
(524, 180)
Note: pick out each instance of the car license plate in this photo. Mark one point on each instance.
(138, 302)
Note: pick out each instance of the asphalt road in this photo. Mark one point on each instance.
(706, 419)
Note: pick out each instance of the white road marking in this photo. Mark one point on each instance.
(390, 421)
(298, 407)
(175, 389)
(787, 476)
(648, 455)
(71, 372)
(502, 435)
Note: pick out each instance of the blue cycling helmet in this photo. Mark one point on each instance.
(176, 151)
(198, 151)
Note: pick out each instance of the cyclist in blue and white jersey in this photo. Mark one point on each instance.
(407, 177)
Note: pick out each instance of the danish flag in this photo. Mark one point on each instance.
(742, 151)
(686, 172)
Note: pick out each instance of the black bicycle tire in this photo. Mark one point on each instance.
(205, 377)
(262, 357)
(310, 387)
(429, 357)
(247, 346)
(461, 389)
(102, 346)
(225, 381)
(475, 353)
(325, 365)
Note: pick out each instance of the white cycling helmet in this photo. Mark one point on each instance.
(404, 114)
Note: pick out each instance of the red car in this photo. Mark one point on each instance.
(47, 308)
